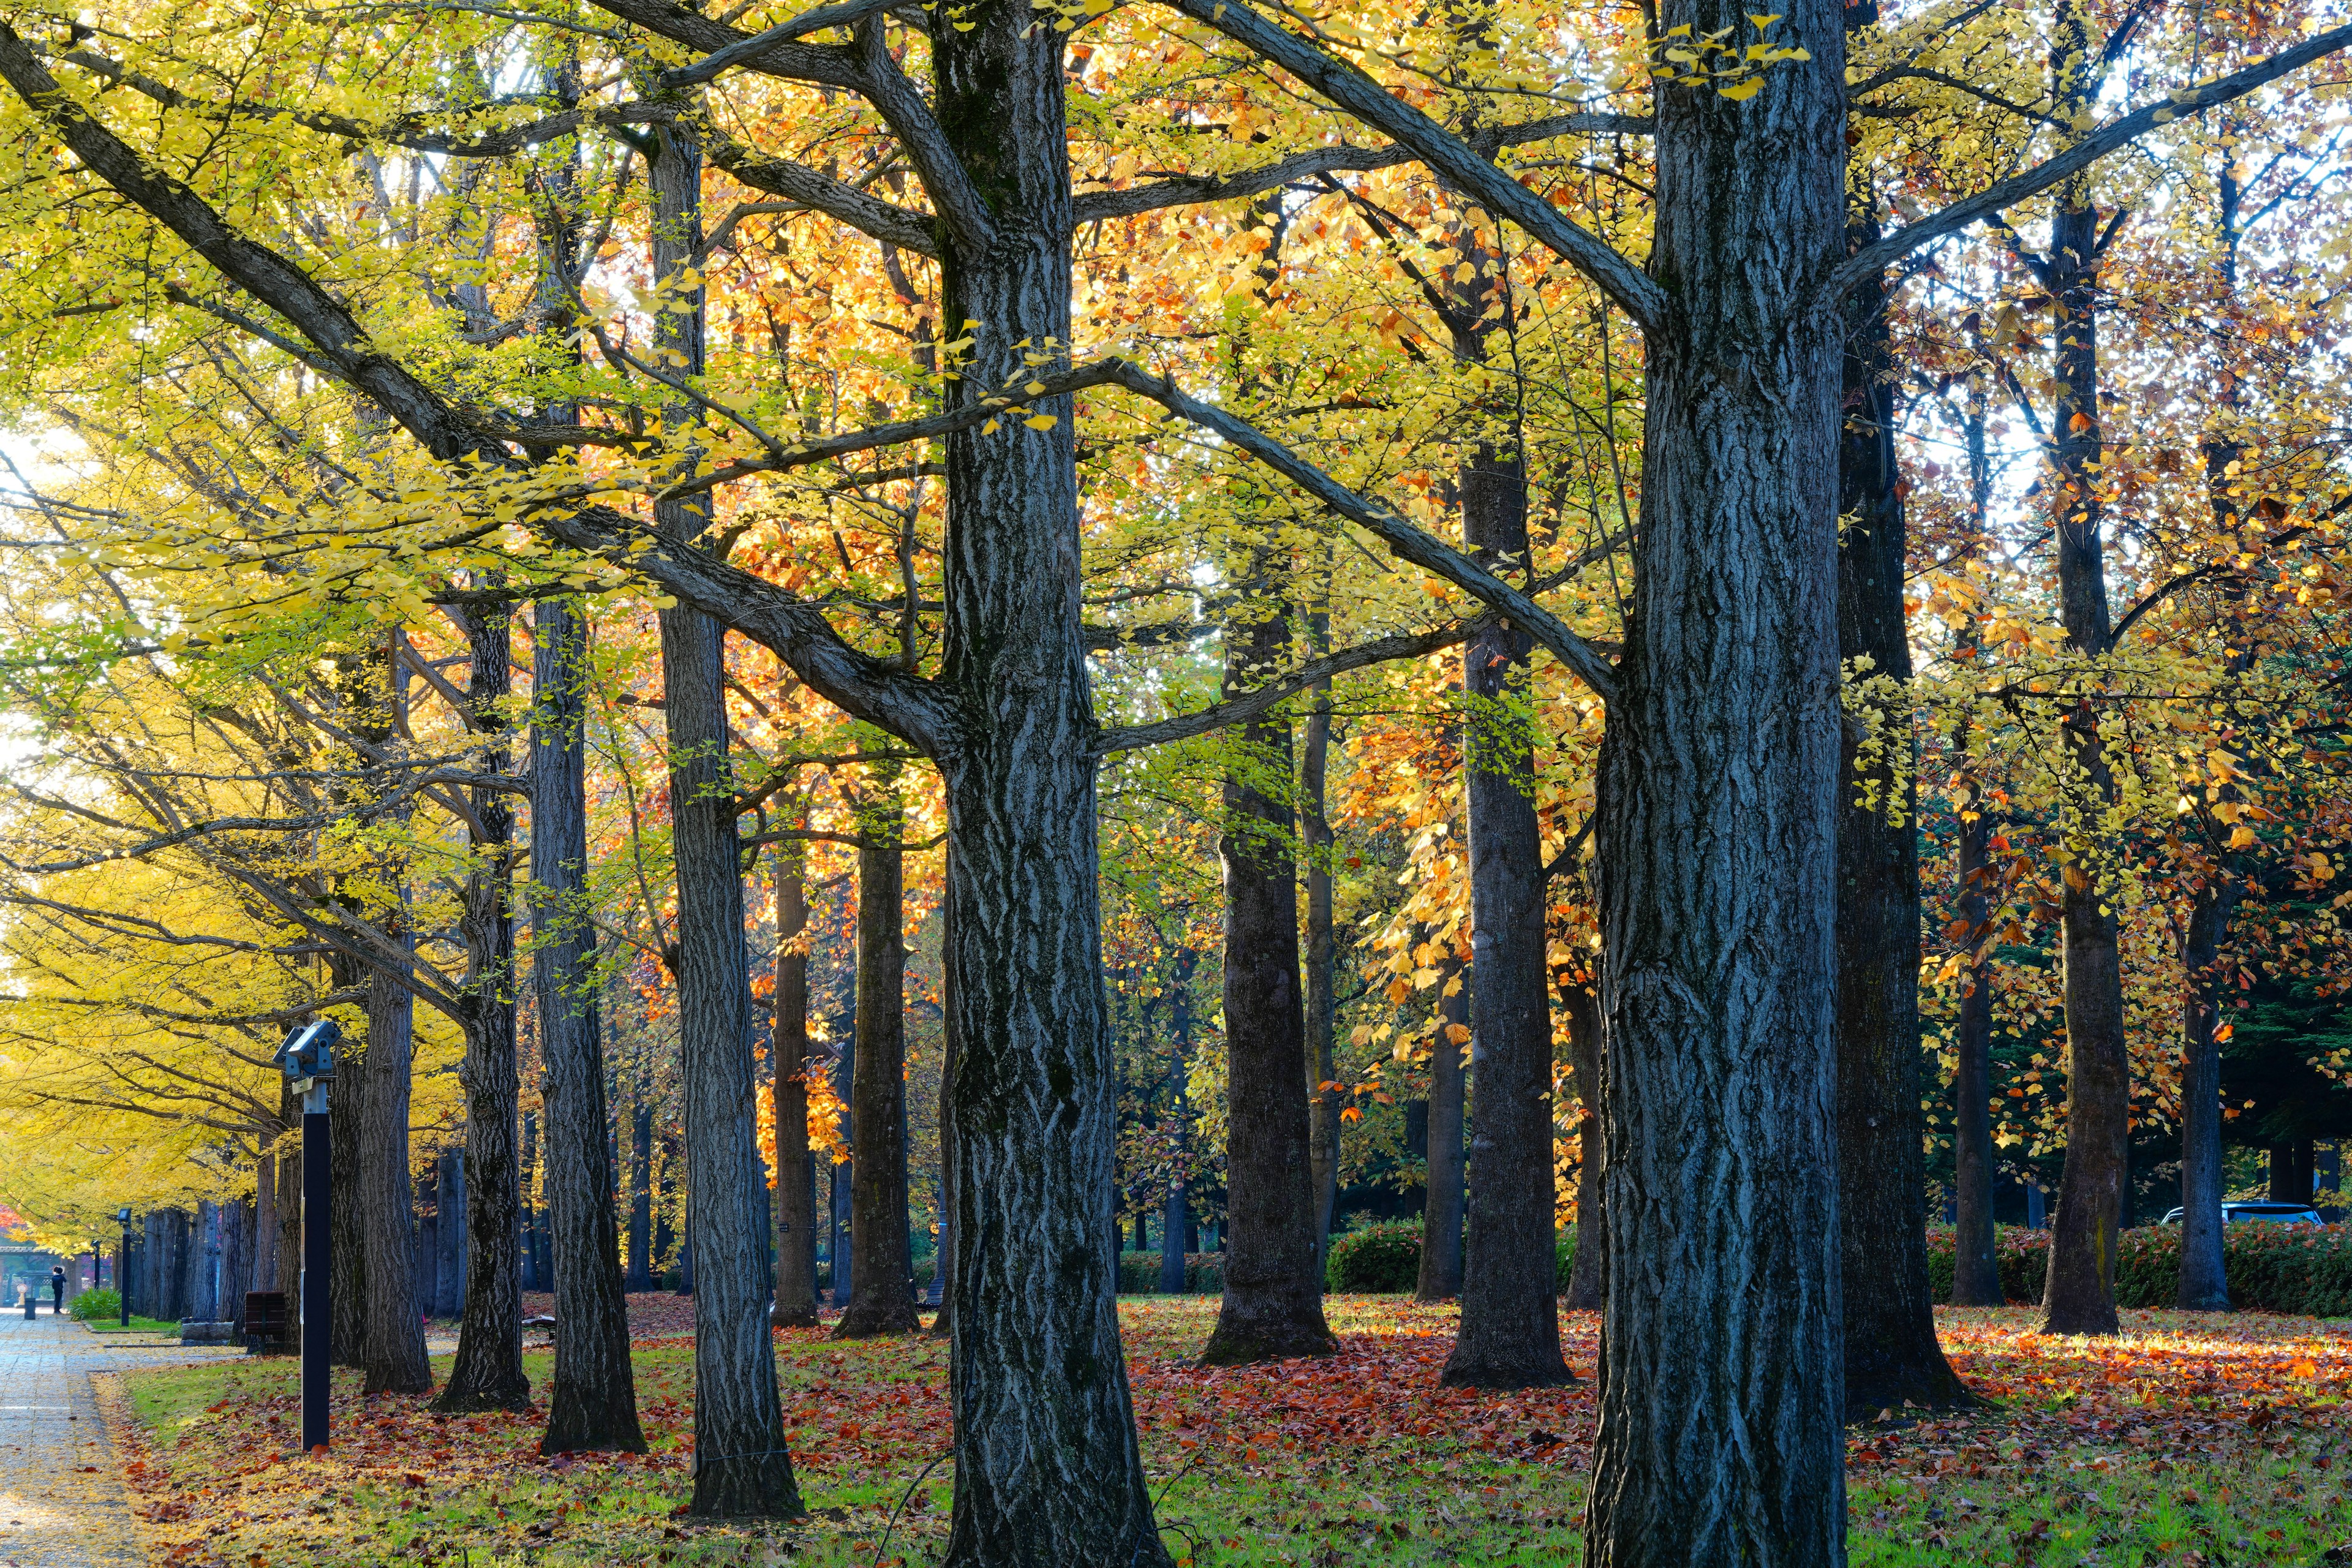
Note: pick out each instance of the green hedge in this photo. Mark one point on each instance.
(1385, 1259)
(94, 1304)
(1205, 1274)
(2300, 1268)
(1377, 1260)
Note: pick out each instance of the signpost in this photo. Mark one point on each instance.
(308, 1059)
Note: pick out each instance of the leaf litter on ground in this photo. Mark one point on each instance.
(2186, 1439)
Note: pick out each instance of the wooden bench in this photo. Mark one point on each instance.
(268, 1327)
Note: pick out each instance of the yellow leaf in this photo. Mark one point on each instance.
(2241, 837)
(1739, 92)
(1041, 421)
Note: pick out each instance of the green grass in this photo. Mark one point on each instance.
(137, 1325)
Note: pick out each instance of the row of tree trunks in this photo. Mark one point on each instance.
(195, 1267)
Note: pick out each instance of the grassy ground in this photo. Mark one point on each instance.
(2184, 1441)
(137, 1325)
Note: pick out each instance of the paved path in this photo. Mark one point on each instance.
(62, 1503)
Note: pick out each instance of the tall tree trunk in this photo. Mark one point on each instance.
(1588, 1275)
(2080, 1298)
(391, 1344)
(449, 1190)
(261, 1270)
(740, 1464)
(2204, 1276)
(1722, 1400)
(788, 1055)
(2291, 1172)
(1509, 1336)
(486, 1372)
(347, 1218)
(1046, 1465)
(1315, 839)
(881, 1303)
(2204, 1271)
(1891, 1354)
(1444, 1193)
(1272, 1305)
(204, 1276)
(593, 1403)
(1975, 1274)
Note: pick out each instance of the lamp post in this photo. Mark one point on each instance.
(122, 1264)
(308, 1059)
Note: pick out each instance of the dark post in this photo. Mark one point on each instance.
(308, 1059)
(318, 1271)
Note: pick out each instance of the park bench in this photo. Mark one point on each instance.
(268, 1327)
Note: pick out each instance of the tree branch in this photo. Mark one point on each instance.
(1423, 549)
(886, 221)
(1250, 704)
(798, 632)
(1872, 260)
(1447, 155)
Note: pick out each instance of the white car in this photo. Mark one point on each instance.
(2273, 1214)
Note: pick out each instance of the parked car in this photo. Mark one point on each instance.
(2273, 1214)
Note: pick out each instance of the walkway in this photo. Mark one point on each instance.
(62, 1503)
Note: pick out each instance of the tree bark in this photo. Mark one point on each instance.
(788, 1055)
(594, 1401)
(486, 1372)
(2204, 1276)
(2291, 1172)
(2204, 1271)
(1509, 1335)
(740, 1464)
(391, 1344)
(1272, 1305)
(2080, 1298)
(449, 1194)
(1975, 1274)
(881, 1303)
(1046, 1466)
(1892, 1356)
(1444, 1193)
(1588, 1275)
(1721, 1435)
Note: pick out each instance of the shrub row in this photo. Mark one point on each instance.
(2301, 1268)
(1139, 1273)
(91, 1305)
(1385, 1259)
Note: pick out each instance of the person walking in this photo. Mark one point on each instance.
(57, 1289)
